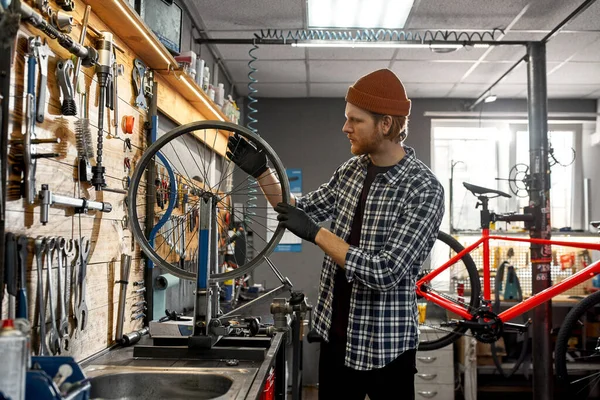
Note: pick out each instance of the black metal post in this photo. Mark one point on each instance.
(539, 200)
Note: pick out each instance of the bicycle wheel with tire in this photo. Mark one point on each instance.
(577, 357)
(433, 334)
(185, 171)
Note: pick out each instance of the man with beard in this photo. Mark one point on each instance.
(386, 207)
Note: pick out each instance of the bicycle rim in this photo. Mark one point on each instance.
(577, 360)
(432, 332)
(187, 172)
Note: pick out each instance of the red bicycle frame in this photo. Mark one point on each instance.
(522, 307)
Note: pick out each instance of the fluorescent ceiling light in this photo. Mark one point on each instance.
(388, 14)
(347, 44)
(490, 99)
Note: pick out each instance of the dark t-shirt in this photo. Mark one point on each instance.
(342, 289)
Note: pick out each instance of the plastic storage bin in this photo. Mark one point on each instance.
(39, 385)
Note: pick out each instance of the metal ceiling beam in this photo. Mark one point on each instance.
(584, 6)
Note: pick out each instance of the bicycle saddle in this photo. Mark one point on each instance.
(479, 190)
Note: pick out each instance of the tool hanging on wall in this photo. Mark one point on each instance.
(83, 139)
(29, 142)
(141, 80)
(64, 69)
(67, 5)
(103, 71)
(87, 54)
(117, 70)
(82, 205)
(22, 305)
(41, 52)
(62, 21)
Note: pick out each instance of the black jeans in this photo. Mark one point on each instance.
(394, 381)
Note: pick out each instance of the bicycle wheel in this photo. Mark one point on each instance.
(187, 172)
(577, 357)
(460, 276)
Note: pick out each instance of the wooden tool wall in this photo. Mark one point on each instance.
(109, 237)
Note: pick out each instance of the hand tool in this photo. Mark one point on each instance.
(134, 337)
(10, 271)
(64, 68)
(67, 5)
(64, 371)
(139, 291)
(62, 21)
(43, 53)
(136, 317)
(22, 242)
(40, 247)
(83, 137)
(103, 71)
(87, 54)
(138, 283)
(47, 199)
(82, 309)
(84, 25)
(118, 70)
(139, 303)
(139, 310)
(54, 339)
(63, 325)
(29, 141)
(71, 261)
(125, 267)
(139, 83)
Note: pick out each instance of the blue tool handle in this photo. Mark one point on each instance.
(31, 68)
(22, 303)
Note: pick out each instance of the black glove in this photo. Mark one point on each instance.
(297, 222)
(251, 160)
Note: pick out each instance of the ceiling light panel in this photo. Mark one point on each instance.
(389, 14)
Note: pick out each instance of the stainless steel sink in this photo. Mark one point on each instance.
(147, 383)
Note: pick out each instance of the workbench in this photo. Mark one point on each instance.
(252, 388)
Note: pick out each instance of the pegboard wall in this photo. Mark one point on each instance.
(565, 261)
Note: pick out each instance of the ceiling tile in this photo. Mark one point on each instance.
(428, 90)
(506, 53)
(275, 90)
(342, 71)
(269, 71)
(455, 14)
(328, 89)
(489, 72)
(432, 72)
(588, 20)
(591, 53)
(545, 14)
(575, 73)
(350, 54)
(565, 45)
(466, 91)
(249, 14)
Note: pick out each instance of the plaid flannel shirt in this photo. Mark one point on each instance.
(402, 215)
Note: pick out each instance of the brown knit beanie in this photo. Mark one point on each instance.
(380, 92)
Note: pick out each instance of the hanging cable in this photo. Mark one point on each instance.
(250, 205)
(379, 35)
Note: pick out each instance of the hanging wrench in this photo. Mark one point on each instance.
(40, 246)
(63, 326)
(43, 53)
(71, 260)
(54, 340)
(82, 309)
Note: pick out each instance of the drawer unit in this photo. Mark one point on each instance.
(435, 376)
(436, 392)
